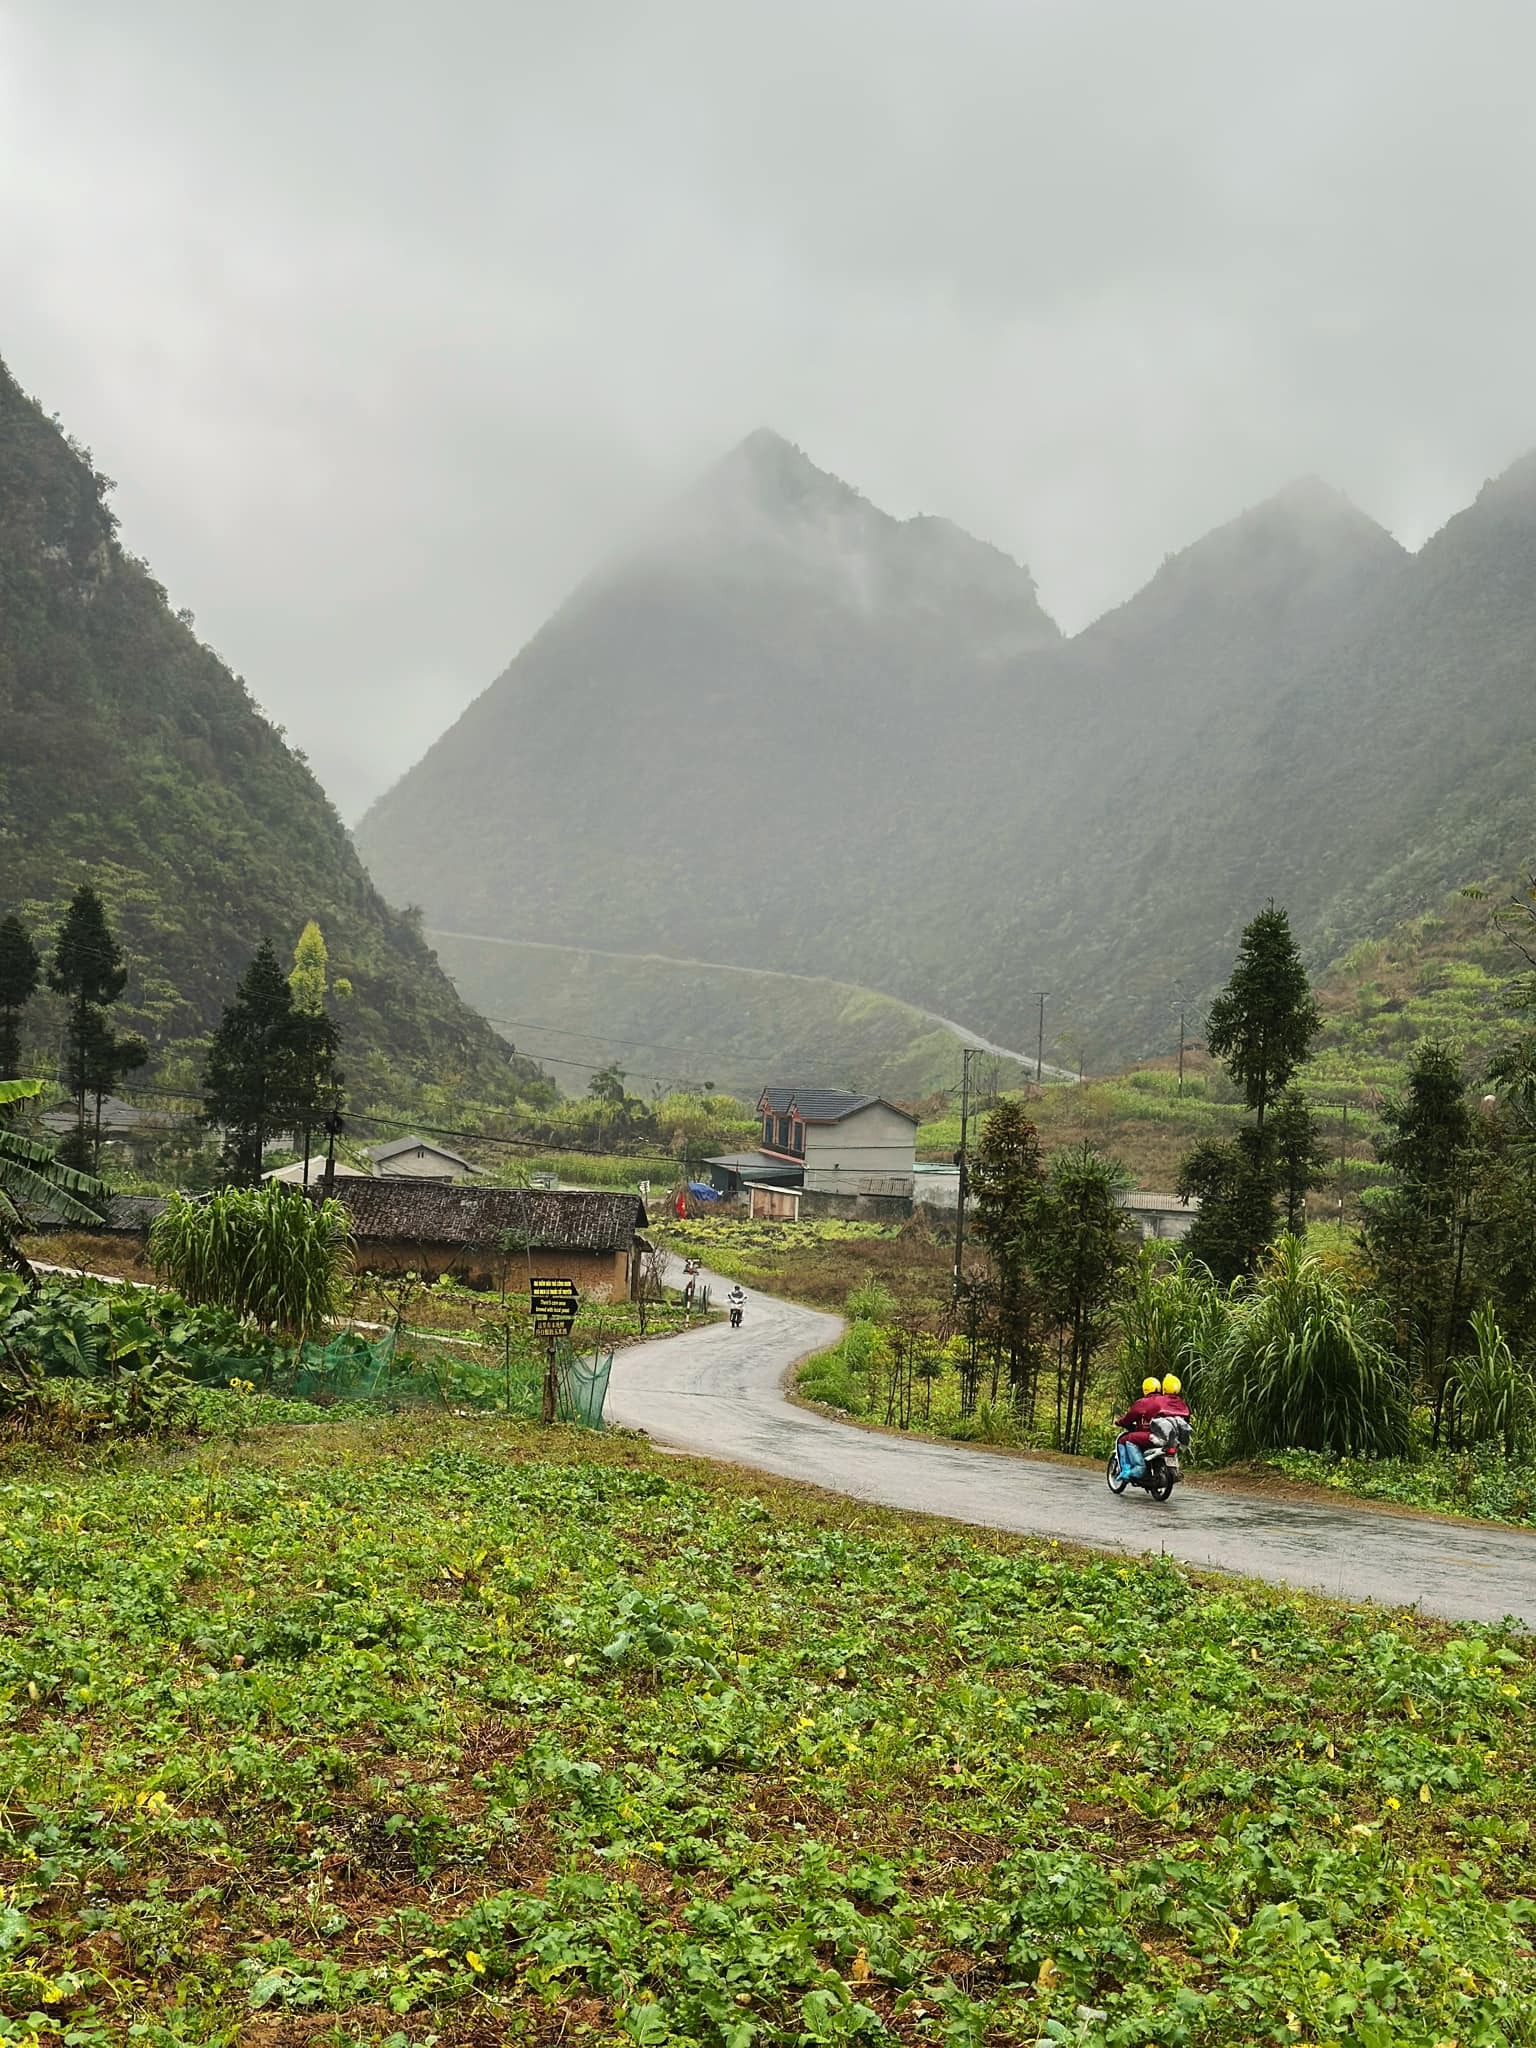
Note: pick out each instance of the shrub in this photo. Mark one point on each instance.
(1174, 1319)
(1307, 1364)
(267, 1253)
(1494, 1393)
(870, 1303)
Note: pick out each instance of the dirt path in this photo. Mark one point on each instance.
(720, 1393)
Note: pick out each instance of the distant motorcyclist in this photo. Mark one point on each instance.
(736, 1302)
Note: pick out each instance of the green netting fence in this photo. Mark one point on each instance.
(405, 1368)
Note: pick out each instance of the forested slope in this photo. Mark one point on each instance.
(130, 756)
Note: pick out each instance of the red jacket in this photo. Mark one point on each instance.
(1149, 1407)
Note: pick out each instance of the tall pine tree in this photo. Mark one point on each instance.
(271, 1068)
(20, 972)
(1262, 1025)
(1261, 1028)
(88, 970)
(310, 964)
(1299, 1155)
(1417, 1234)
(1007, 1182)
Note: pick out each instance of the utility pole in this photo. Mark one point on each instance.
(1180, 987)
(960, 1161)
(1343, 1149)
(1040, 1044)
(333, 1127)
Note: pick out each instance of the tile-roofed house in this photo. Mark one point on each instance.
(118, 1118)
(815, 1105)
(485, 1235)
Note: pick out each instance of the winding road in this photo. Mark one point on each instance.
(719, 1393)
(963, 1032)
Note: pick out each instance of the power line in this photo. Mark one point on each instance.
(443, 1131)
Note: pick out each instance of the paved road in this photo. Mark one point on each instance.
(718, 1392)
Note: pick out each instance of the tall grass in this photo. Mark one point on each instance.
(268, 1254)
(1174, 1320)
(1307, 1365)
(1493, 1392)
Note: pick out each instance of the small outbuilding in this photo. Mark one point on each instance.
(294, 1175)
(1158, 1215)
(494, 1237)
(416, 1158)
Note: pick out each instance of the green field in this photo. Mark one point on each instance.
(434, 1732)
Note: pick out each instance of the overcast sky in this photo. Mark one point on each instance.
(392, 319)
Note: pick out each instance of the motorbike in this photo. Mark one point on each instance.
(736, 1309)
(1170, 1435)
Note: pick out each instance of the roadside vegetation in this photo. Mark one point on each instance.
(1395, 1359)
(428, 1730)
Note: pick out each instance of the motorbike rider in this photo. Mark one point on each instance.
(1136, 1437)
(736, 1302)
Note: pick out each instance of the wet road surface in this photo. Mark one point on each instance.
(718, 1392)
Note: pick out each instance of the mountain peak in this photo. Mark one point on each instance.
(1305, 546)
(765, 515)
(772, 474)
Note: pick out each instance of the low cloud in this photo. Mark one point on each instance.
(392, 321)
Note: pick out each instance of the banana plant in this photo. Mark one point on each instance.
(31, 1178)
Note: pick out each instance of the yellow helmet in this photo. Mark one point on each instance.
(1149, 1386)
(1172, 1384)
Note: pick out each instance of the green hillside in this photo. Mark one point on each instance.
(880, 763)
(131, 757)
(673, 1021)
(1444, 974)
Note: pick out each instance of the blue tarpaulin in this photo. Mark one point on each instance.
(704, 1191)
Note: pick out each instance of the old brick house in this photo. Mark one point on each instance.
(490, 1237)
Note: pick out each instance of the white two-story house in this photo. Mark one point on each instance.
(827, 1142)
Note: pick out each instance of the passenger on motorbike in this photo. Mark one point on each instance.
(1173, 1397)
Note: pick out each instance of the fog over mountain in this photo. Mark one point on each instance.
(789, 731)
(394, 320)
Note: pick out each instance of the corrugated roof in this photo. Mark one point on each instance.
(295, 1171)
(125, 1214)
(398, 1210)
(759, 1164)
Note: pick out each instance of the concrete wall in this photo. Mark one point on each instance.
(876, 1142)
(857, 1208)
(1167, 1223)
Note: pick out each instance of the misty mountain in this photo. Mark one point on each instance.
(131, 757)
(787, 730)
(710, 737)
